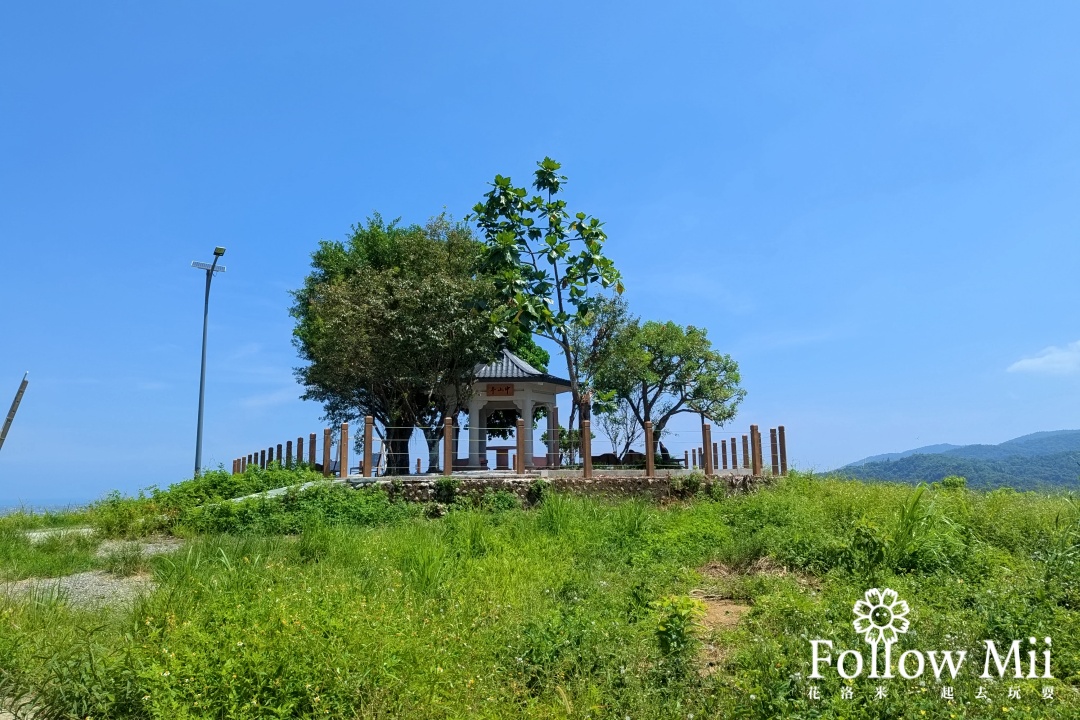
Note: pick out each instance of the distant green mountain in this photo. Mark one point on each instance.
(928, 450)
(1039, 459)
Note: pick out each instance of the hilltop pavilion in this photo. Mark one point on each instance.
(510, 383)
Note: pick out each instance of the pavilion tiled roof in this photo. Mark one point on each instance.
(509, 366)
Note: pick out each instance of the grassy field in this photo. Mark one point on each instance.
(342, 604)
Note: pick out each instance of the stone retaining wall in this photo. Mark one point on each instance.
(423, 491)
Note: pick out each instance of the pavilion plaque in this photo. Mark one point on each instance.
(500, 390)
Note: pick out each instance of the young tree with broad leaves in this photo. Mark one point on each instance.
(544, 262)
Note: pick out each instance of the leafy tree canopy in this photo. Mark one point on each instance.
(663, 369)
(391, 323)
(543, 261)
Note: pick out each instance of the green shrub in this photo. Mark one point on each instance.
(216, 485)
(556, 513)
(630, 519)
(446, 489)
(470, 533)
(126, 560)
(953, 482)
(678, 624)
(328, 504)
(424, 562)
(119, 516)
(688, 485)
(538, 490)
(499, 501)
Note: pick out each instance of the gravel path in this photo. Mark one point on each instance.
(87, 589)
(149, 546)
(96, 588)
(24, 708)
(39, 535)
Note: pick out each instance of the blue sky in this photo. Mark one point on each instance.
(872, 207)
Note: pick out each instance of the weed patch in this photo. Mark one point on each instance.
(337, 603)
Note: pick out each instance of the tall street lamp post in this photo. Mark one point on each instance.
(210, 270)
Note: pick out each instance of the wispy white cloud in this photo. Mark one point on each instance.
(1053, 360)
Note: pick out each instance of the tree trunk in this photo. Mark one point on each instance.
(646, 410)
(397, 450)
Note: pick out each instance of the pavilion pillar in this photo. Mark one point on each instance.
(527, 416)
(475, 430)
(553, 435)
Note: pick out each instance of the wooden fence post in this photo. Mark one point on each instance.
(686, 459)
(299, 451)
(288, 453)
(448, 445)
(311, 450)
(759, 452)
(279, 453)
(367, 470)
(262, 459)
(519, 442)
(343, 452)
(650, 451)
(775, 452)
(715, 454)
(706, 448)
(746, 452)
(783, 451)
(734, 456)
(723, 452)
(693, 457)
(755, 468)
(586, 448)
(326, 452)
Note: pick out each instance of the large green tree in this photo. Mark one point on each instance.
(662, 369)
(545, 263)
(391, 323)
